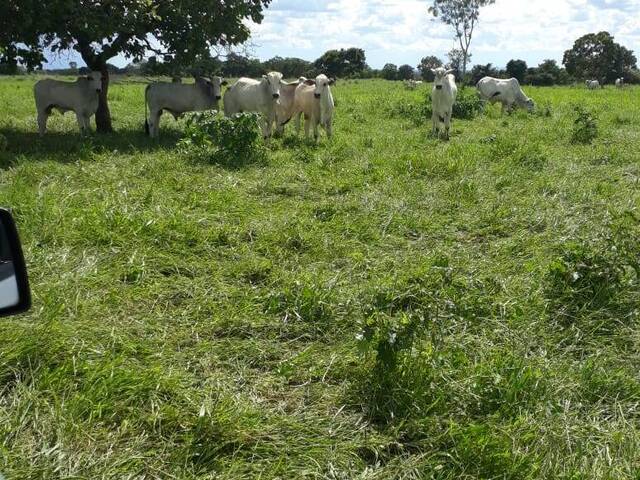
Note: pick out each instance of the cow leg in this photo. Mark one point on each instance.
(42, 122)
(434, 124)
(447, 124)
(154, 124)
(298, 121)
(265, 128)
(81, 126)
(329, 128)
(307, 127)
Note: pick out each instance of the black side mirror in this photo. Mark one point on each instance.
(15, 295)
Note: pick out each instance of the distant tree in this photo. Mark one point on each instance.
(405, 72)
(456, 57)
(480, 71)
(546, 74)
(100, 30)
(426, 64)
(463, 16)
(517, 69)
(598, 56)
(389, 72)
(341, 63)
(289, 67)
(238, 65)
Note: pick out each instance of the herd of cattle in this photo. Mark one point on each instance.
(277, 101)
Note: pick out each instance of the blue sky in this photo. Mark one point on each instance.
(402, 31)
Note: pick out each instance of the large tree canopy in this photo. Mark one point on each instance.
(342, 63)
(598, 56)
(101, 29)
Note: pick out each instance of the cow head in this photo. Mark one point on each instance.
(94, 80)
(273, 81)
(440, 75)
(530, 105)
(212, 87)
(322, 84)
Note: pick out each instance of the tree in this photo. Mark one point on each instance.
(456, 57)
(517, 69)
(389, 72)
(405, 72)
(426, 64)
(100, 30)
(480, 71)
(289, 67)
(238, 65)
(341, 63)
(463, 16)
(597, 56)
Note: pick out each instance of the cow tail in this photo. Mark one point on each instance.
(146, 114)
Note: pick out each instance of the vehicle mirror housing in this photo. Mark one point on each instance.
(15, 294)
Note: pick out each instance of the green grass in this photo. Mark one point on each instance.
(381, 306)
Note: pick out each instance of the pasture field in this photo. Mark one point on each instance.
(381, 306)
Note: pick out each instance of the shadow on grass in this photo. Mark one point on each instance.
(69, 147)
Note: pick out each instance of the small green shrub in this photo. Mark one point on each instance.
(4, 143)
(585, 126)
(231, 141)
(467, 106)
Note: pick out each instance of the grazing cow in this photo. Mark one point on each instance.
(443, 96)
(410, 84)
(284, 109)
(593, 84)
(80, 96)
(620, 82)
(178, 98)
(315, 101)
(259, 96)
(507, 92)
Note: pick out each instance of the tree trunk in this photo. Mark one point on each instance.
(103, 115)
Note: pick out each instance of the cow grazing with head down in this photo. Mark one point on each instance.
(80, 97)
(593, 84)
(507, 92)
(258, 96)
(443, 96)
(179, 98)
(314, 100)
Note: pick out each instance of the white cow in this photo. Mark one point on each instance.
(178, 98)
(315, 101)
(593, 84)
(259, 96)
(443, 96)
(80, 97)
(507, 92)
(410, 84)
(620, 82)
(284, 108)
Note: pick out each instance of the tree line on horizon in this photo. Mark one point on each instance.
(610, 62)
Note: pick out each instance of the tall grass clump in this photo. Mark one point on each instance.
(585, 126)
(595, 275)
(233, 141)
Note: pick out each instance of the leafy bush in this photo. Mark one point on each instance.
(467, 106)
(229, 141)
(4, 143)
(585, 126)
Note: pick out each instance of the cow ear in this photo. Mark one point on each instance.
(332, 81)
(265, 77)
(224, 82)
(310, 82)
(433, 70)
(450, 71)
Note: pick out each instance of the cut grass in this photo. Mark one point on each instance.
(197, 321)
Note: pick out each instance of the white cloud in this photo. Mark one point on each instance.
(402, 31)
